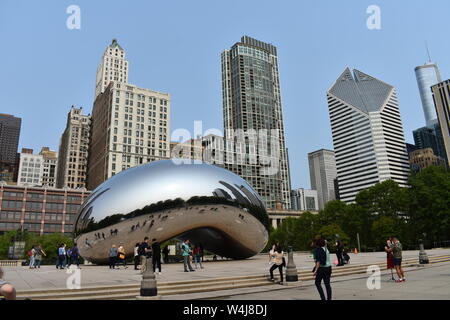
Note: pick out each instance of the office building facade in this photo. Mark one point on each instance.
(252, 101)
(322, 173)
(304, 200)
(40, 210)
(367, 131)
(424, 158)
(441, 97)
(130, 126)
(430, 137)
(50, 166)
(73, 150)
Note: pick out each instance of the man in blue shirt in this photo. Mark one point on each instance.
(186, 256)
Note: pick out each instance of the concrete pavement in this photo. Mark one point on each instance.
(48, 277)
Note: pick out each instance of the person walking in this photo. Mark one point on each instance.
(121, 256)
(61, 256)
(186, 249)
(136, 256)
(156, 257)
(75, 255)
(165, 253)
(32, 254)
(6, 289)
(112, 256)
(198, 257)
(396, 249)
(322, 269)
(69, 257)
(339, 251)
(38, 256)
(277, 263)
(272, 254)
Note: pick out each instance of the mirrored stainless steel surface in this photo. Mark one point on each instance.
(163, 200)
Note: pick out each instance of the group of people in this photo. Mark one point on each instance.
(67, 257)
(393, 250)
(190, 254)
(35, 255)
(117, 257)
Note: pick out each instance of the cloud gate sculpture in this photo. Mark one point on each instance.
(165, 200)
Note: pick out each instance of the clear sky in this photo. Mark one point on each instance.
(174, 46)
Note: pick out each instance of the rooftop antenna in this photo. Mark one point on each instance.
(428, 51)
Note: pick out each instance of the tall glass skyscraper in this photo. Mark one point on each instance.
(428, 75)
(367, 130)
(252, 101)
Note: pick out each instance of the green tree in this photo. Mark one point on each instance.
(429, 204)
(329, 233)
(383, 228)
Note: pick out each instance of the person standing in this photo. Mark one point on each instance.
(32, 254)
(122, 256)
(61, 257)
(156, 258)
(38, 256)
(186, 256)
(322, 269)
(144, 252)
(75, 255)
(165, 253)
(396, 249)
(136, 256)
(198, 257)
(112, 256)
(69, 257)
(277, 263)
(339, 251)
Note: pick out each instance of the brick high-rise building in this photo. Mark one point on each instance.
(73, 150)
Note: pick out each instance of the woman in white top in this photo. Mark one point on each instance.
(278, 263)
(272, 254)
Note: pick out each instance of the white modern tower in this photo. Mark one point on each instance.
(428, 75)
(367, 131)
(113, 67)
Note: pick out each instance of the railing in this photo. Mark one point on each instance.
(11, 263)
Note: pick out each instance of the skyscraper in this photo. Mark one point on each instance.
(427, 76)
(367, 133)
(130, 126)
(9, 137)
(431, 137)
(252, 101)
(50, 161)
(441, 96)
(9, 141)
(73, 150)
(113, 67)
(322, 173)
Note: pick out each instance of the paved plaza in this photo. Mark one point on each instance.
(431, 282)
(48, 277)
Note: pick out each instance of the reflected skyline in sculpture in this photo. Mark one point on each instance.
(164, 200)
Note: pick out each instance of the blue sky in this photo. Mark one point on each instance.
(174, 46)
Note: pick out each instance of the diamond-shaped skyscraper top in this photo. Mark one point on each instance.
(361, 90)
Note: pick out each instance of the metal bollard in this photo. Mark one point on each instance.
(423, 257)
(291, 268)
(148, 283)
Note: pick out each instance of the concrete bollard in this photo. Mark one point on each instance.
(149, 290)
(423, 257)
(291, 268)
